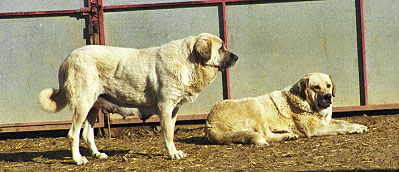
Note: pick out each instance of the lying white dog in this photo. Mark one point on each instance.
(301, 110)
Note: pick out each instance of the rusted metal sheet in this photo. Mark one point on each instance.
(381, 45)
(282, 42)
(149, 28)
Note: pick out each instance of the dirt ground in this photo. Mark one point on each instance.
(141, 149)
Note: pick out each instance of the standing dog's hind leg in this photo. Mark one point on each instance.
(79, 117)
(88, 133)
(81, 107)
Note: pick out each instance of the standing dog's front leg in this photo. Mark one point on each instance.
(167, 115)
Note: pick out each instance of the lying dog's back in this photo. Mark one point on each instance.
(246, 121)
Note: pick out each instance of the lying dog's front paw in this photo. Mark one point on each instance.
(360, 128)
(293, 137)
(261, 142)
(363, 128)
(177, 155)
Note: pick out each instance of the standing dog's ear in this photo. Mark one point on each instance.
(333, 86)
(302, 87)
(202, 49)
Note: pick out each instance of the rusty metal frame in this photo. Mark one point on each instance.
(95, 13)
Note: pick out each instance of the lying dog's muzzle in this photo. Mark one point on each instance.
(327, 97)
(325, 101)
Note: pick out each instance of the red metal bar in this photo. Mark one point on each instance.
(204, 116)
(116, 7)
(363, 54)
(185, 3)
(156, 119)
(40, 126)
(152, 5)
(365, 108)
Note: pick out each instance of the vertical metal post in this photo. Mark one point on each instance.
(366, 97)
(361, 53)
(226, 73)
(96, 22)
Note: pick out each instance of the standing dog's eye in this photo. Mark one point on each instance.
(316, 87)
(221, 48)
(328, 85)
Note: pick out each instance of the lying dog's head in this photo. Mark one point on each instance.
(317, 89)
(209, 50)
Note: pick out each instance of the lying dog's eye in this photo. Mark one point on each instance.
(328, 85)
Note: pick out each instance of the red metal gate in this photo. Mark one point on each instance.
(94, 13)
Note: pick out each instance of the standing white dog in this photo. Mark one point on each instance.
(155, 80)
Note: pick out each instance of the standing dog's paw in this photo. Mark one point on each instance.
(81, 160)
(101, 155)
(177, 155)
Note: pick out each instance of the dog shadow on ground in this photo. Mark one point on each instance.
(62, 154)
(194, 140)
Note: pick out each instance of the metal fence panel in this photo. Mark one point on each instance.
(39, 5)
(281, 42)
(32, 50)
(148, 28)
(382, 50)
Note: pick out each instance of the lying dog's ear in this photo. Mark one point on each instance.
(302, 86)
(202, 49)
(333, 86)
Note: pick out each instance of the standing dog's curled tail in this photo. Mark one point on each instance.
(52, 100)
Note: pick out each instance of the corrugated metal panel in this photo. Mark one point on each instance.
(31, 52)
(382, 50)
(281, 42)
(39, 5)
(147, 28)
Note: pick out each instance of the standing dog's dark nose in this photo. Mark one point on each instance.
(235, 57)
(327, 97)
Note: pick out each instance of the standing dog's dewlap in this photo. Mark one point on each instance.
(139, 82)
(301, 110)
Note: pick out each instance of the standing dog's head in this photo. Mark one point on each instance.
(317, 89)
(209, 50)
